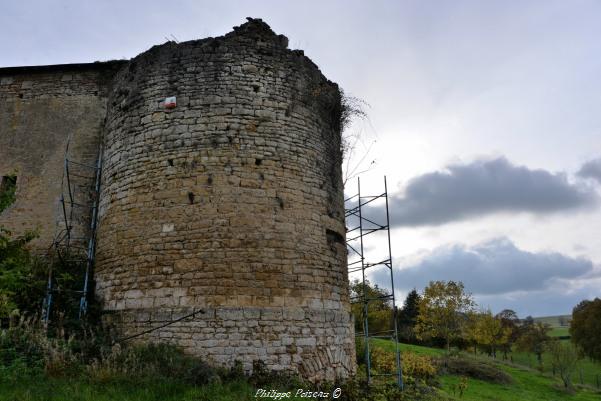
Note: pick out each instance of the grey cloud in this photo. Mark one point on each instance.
(591, 169)
(547, 302)
(493, 267)
(483, 187)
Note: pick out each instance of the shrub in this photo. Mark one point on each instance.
(25, 342)
(383, 361)
(414, 366)
(262, 377)
(357, 390)
(418, 366)
(475, 369)
(8, 189)
(22, 276)
(148, 362)
(360, 350)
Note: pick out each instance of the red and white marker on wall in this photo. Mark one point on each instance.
(170, 102)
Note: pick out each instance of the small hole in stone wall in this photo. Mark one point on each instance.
(170, 162)
(256, 88)
(20, 96)
(258, 162)
(261, 177)
(210, 180)
(280, 202)
(191, 198)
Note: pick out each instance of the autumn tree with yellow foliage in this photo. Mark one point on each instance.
(442, 311)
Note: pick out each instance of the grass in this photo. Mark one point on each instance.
(588, 372)
(528, 385)
(54, 389)
(560, 332)
(61, 389)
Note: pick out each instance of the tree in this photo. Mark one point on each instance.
(528, 321)
(490, 332)
(379, 313)
(564, 359)
(470, 329)
(585, 328)
(441, 311)
(407, 317)
(533, 338)
(510, 321)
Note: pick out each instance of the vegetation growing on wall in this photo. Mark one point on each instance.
(8, 189)
(22, 276)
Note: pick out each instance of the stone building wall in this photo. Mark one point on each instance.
(40, 107)
(231, 202)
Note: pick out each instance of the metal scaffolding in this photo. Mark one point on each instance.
(75, 238)
(364, 219)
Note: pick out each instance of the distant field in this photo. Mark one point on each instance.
(555, 321)
(560, 332)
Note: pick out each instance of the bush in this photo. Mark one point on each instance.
(148, 362)
(382, 361)
(8, 190)
(414, 366)
(360, 350)
(25, 348)
(475, 369)
(357, 390)
(22, 276)
(262, 377)
(418, 366)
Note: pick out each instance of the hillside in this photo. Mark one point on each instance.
(528, 384)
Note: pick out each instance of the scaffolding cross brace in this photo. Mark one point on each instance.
(359, 226)
(75, 238)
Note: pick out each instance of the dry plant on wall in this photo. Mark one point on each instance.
(354, 156)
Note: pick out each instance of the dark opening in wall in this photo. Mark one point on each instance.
(258, 162)
(170, 162)
(8, 189)
(191, 198)
(334, 237)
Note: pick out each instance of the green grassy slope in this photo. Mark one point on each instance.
(560, 332)
(588, 372)
(529, 384)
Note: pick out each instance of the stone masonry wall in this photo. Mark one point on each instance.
(40, 107)
(232, 203)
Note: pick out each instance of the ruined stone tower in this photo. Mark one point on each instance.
(231, 202)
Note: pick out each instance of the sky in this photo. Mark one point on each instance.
(484, 117)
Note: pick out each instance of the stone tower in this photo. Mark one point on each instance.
(230, 202)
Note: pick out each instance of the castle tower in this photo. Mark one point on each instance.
(231, 202)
